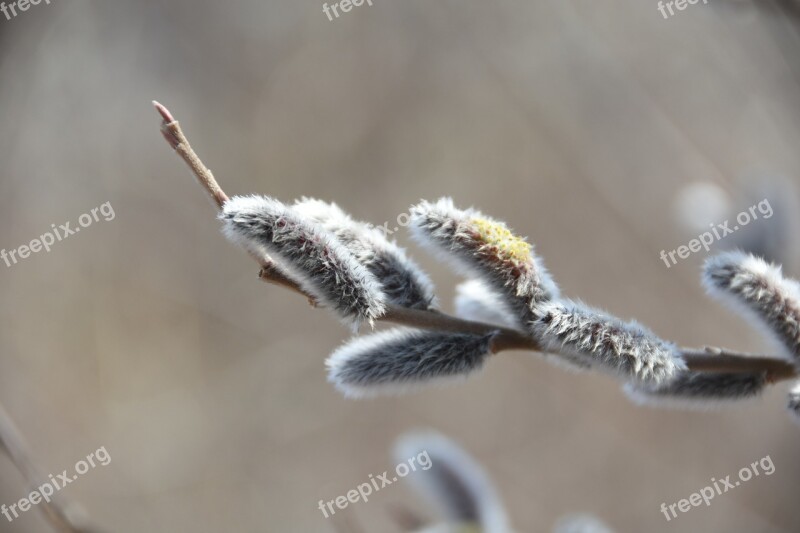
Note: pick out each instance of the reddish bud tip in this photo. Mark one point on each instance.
(164, 112)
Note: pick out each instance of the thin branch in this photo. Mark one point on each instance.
(713, 359)
(14, 445)
(705, 360)
(171, 131)
(174, 136)
(506, 339)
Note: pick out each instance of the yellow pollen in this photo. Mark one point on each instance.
(498, 236)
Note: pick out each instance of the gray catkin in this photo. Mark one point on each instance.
(404, 282)
(477, 302)
(758, 289)
(395, 360)
(590, 337)
(484, 248)
(313, 257)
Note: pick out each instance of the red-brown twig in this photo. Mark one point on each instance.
(706, 360)
(171, 131)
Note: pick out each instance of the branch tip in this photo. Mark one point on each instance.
(164, 112)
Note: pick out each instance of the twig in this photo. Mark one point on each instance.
(706, 360)
(12, 442)
(173, 134)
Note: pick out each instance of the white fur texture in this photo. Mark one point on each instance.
(759, 291)
(399, 360)
(592, 337)
(455, 485)
(449, 233)
(404, 282)
(312, 256)
(475, 301)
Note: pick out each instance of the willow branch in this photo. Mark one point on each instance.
(174, 136)
(699, 360)
(702, 360)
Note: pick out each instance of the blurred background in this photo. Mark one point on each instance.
(600, 130)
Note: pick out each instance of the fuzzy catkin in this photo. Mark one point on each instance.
(589, 336)
(699, 389)
(397, 359)
(404, 282)
(758, 289)
(484, 248)
(321, 265)
(475, 301)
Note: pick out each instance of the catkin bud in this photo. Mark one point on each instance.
(484, 248)
(698, 389)
(589, 336)
(399, 359)
(475, 301)
(403, 281)
(759, 290)
(312, 256)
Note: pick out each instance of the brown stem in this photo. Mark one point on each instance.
(708, 360)
(506, 339)
(172, 132)
(718, 360)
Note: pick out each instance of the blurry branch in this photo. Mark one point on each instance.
(55, 511)
(697, 360)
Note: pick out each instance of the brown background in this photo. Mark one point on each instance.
(578, 122)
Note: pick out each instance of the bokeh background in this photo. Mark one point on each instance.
(581, 123)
